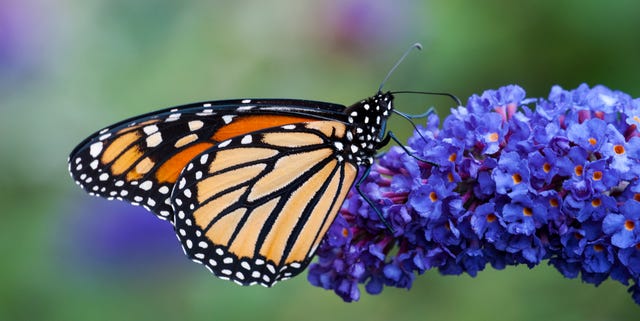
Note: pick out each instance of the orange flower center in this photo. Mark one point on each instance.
(517, 178)
(629, 225)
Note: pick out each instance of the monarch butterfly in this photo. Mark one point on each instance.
(250, 185)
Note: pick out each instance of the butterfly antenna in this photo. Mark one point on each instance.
(452, 96)
(416, 45)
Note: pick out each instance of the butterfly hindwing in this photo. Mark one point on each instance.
(139, 160)
(253, 208)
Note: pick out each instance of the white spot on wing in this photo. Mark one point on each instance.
(173, 117)
(227, 118)
(205, 112)
(150, 129)
(146, 185)
(95, 149)
(225, 143)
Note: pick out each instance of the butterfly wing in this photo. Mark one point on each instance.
(139, 159)
(254, 208)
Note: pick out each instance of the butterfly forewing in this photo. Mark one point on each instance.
(139, 160)
(254, 208)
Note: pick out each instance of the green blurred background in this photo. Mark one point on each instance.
(70, 67)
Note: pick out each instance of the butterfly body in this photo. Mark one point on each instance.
(250, 185)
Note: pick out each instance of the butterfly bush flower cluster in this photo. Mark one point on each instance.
(513, 181)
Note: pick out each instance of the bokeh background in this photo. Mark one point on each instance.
(70, 67)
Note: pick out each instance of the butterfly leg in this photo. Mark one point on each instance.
(391, 135)
(370, 202)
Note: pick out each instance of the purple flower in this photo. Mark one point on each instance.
(589, 135)
(524, 215)
(622, 154)
(598, 258)
(511, 175)
(517, 181)
(624, 228)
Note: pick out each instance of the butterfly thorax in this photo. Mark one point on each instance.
(367, 123)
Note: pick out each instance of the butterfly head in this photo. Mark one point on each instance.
(368, 120)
